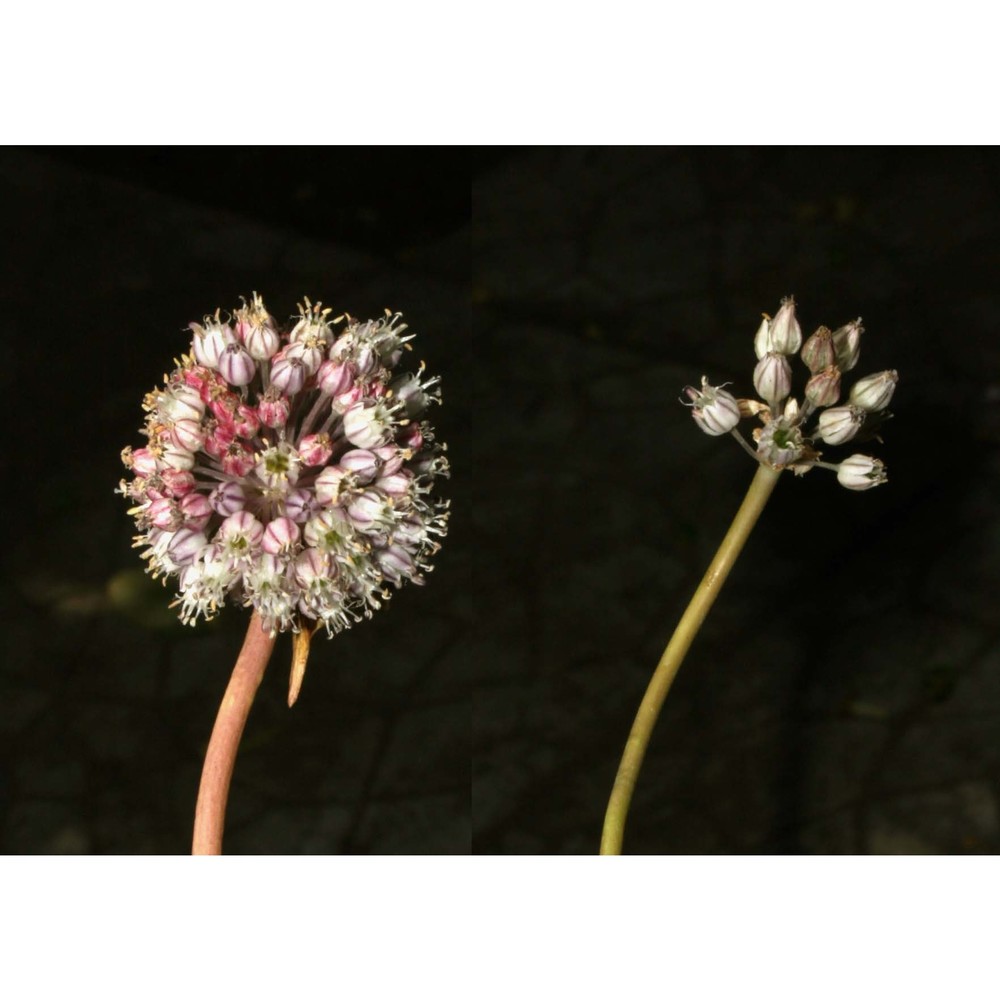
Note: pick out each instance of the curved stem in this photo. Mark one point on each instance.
(210, 812)
(704, 597)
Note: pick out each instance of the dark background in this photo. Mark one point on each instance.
(844, 696)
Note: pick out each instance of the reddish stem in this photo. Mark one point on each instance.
(220, 758)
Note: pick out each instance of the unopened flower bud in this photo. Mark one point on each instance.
(245, 421)
(772, 378)
(312, 565)
(785, 332)
(860, 472)
(299, 505)
(188, 434)
(236, 366)
(196, 511)
(162, 513)
(847, 344)
(396, 563)
(823, 389)
(818, 352)
(873, 392)
(714, 410)
(762, 338)
(335, 377)
(363, 463)
(840, 423)
(177, 482)
(280, 536)
(227, 499)
(288, 375)
(186, 545)
(141, 461)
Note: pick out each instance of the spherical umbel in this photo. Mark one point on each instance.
(290, 470)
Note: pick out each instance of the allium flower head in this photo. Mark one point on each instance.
(289, 470)
(786, 439)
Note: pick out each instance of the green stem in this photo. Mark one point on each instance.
(220, 758)
(704, 597)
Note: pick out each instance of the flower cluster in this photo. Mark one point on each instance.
(784, 440)
(291, 470)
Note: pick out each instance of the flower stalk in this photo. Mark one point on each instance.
(220, 758)
(761, 487)
(784, 441)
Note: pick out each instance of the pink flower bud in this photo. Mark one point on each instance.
(218, 439)
(346, 400)
(236, 366)
(309, 354)
(238, 460)
(396, 563)
(315, 449)
(273, 409)
(363, 463)
(246, 422)
(299, 505)
(335, 377)
(391, 457)
(412, 437)
(312, 565)
(143, 463)
(396, 485)
(163, 514)
(227, 499)
(288, 375)
(223, 405)
(196, 510)
(185, 546)
(176, 482)
(188, 434)
(366, 359)
(280, 536)
(367, 509)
